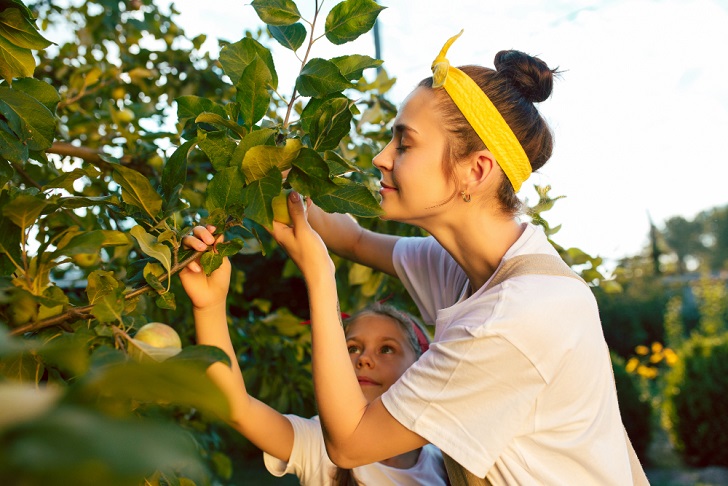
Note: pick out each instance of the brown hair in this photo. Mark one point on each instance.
(518, 82)
(411, 328)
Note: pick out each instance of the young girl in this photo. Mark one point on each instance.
(382, 343)
(517, 387)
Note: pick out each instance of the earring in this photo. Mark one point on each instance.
(466, 197)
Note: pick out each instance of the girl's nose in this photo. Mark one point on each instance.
(365, 359)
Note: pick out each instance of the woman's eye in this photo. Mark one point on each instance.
(401, 148)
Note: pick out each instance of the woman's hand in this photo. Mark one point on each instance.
(301, 242)
(205, 292)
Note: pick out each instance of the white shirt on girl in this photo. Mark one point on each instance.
(312, 465)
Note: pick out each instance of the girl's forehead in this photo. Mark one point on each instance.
(375, 325)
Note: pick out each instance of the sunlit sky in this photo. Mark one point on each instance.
(640, 113)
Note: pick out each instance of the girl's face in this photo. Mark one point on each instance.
(379, 352)
(413, 182)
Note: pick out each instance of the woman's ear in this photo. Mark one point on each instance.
(478, 171)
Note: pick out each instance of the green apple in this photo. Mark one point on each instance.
(280, 207)
(159, 335)
(125, 115)
(23, 308)
(86, 259)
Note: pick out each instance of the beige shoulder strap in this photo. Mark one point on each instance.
(533, 264)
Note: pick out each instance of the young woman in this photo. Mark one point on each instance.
(517, 387)
(381, 342)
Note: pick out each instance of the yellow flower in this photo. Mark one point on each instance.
(642, 350)
(670, 357)
(647, 371)
(656, 358)
(656, 347)
(632, 365)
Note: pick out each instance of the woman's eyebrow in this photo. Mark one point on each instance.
(402, 128)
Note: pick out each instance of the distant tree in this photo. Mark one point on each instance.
(684, 239)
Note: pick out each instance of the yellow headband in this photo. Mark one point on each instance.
(483, 116)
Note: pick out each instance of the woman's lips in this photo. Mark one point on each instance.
(386, 187)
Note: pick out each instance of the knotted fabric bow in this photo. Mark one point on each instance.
(483, 116)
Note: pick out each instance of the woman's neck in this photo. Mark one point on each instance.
(478, 244)
(403, 461)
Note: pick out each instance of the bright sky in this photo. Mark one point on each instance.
(640, 114)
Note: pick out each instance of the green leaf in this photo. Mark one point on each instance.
(191, 106)
(320, 77)
(350, 19)
(210, 261)
(349, 198)
(230, 248)
(6, 168)
(91, 242)
(225, 191)
(152, 272)
(252, 91)
(82, 446)
(9, 239)
(28, 118)
(202, 355)
(215, 119)
(289, 36)
(258, 196)
(106, 294)
(218, 147)
(277, 12)
(11, 148)
(174, 174)
(337, 165)
(330, 123)
(17, 29)
(151, 247)
(17, 62)
(259, 160)
(352, 67)
(264, 136)
(137, 191)
(40, 90)
(310, 174)
(236, 57)
(84, 202)
(166, 301)
(25, 209)
(66, 180)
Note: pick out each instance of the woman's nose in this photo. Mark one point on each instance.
(383, 160)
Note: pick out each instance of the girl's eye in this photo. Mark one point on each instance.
(387, 350)
(353, 349)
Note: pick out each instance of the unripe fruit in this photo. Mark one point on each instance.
(156, 161)
(159, 335)
(280, 207)
(23, 309)
(125, 115)
(86, 259)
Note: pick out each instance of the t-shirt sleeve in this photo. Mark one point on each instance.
(431, 276)
(307, 455)
(469, 395)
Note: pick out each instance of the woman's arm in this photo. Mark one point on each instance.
(343, 235)
(355, 432)
(265, 427)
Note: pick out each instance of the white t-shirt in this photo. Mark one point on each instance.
(312, 465)
(518, 385)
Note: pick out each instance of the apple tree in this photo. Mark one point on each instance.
(117, 136)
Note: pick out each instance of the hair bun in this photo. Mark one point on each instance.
(529, 74)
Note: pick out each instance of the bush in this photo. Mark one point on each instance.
(636, 411)
(695, 409)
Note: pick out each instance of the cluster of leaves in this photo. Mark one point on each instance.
(98, 191)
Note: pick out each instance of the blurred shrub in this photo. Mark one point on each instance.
(635, 408)
(695, 408)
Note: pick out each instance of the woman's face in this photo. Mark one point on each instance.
(380, 352)
(413, 182)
